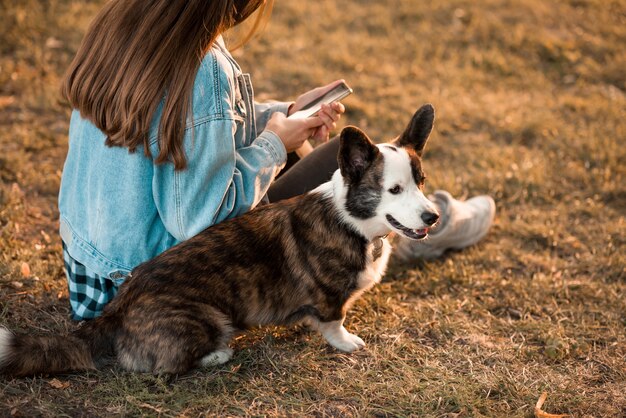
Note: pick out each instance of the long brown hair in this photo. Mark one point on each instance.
(135, 53)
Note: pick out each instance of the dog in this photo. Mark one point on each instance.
(303, 259)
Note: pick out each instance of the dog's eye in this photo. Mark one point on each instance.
(395, 189)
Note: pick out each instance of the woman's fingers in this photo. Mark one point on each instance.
(327, 112)
(338, 107)
(319, 127)
(321, 134)
(313, 127)
(313, 122)
(293, 132)
(327, 117)
(333, 110)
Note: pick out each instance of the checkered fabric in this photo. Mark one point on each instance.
(89, 292)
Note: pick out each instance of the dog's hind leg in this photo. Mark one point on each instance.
(204, 343)
(171, 342)
(217, 357)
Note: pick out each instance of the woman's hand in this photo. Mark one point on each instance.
(329, 113)
(293, 132)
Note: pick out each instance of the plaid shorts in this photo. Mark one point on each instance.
(89, 292)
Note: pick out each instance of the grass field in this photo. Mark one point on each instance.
(531, 109)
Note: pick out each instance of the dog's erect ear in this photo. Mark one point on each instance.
(416, 134)
(356, 153)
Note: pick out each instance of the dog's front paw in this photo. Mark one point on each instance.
(348, 343)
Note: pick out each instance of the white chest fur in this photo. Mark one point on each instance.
(377, 259)
(374, 270)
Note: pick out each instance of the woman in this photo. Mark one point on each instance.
(166, 139)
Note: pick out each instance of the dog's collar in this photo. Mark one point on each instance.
(378, 246)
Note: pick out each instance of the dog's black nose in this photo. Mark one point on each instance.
(430, 218)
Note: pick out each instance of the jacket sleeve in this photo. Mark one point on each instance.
(220, 181)
(264, 111)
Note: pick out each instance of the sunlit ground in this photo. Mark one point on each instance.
(531, 109)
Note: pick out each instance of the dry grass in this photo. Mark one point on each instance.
(531, 109)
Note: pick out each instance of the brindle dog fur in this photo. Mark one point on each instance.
(306, 258)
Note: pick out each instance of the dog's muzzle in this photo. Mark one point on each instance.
(408, 232)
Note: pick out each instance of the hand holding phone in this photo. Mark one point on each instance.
(313, 107)
(335, 94)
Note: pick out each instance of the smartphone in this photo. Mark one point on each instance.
(310, 109)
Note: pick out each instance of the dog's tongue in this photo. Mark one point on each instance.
(421, 231)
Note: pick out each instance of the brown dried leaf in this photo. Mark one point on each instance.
(53, 43)
(539, 413)
(25, 269)
(45, 236)
(6, 101)
(16, 190)
(57, 384)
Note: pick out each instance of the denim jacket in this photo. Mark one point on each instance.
(119, 209)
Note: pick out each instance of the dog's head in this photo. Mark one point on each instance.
(383, 182)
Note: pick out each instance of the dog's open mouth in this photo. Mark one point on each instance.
(409, 233)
